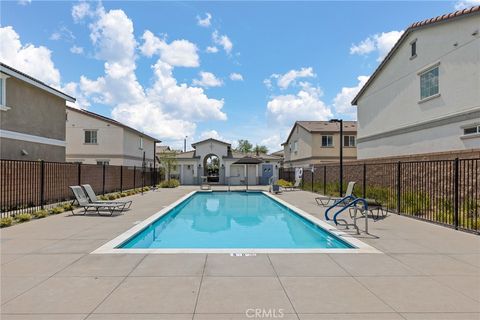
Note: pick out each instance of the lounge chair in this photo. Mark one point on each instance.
(324, 201)
(296, 186)
(85, 203)
(93, 197)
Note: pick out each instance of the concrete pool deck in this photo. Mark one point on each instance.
(47, 272)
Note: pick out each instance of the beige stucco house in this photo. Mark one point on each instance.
(215, 161)
(315, 142)
(96, 139)
(425, 95)
(32, 118)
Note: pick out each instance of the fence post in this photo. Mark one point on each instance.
(79, 173)
(313, 171)
(121, 178)
(303, 177)
(103, 179)
(324, 180)
(399, 183)
(42, 184)
(455, 187)
(134, 177)
(364, 180)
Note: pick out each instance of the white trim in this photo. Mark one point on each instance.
(31, 138)
(436, 95)
(36, 83)
(111, 246)
(428, 68)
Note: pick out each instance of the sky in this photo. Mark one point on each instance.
(226, 70)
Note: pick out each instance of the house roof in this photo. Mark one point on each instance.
(248, 160)
(209, 139)
(323, 126)
(186, 155)
(414, 27)
(163, 148)
(239, 155)
(31, 80)
(279, 153)
(114, 122)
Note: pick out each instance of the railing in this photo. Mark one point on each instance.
(440, 191)
(26, 186)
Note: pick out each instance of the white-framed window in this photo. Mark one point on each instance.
(429, 83)
(91, 137)
(3, 92)
(349, 141)
(295, 146)
(473, 129)
(327, 141)
(413, 49)
(290, 147)
(103, 162)
(141, 143)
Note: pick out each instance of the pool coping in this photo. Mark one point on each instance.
(111, 246)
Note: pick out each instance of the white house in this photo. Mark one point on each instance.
(94, 139)
(425, 95)
(215, 161)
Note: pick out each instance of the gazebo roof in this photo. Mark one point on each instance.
(248, 160)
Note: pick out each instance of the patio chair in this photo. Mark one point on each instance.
(296, 186)
(93, 197)
(325, 200)
(85, 203)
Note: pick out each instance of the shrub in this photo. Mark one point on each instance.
(56, 210)
(112, 196)
(23, 217)
(40, 214)
(123, 194)
(284, 183)
(102, 197)
(172, 183)
(6, 222)
(67, 206)
(145, 189)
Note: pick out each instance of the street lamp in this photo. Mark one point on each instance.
(341, 153)
(185, 144)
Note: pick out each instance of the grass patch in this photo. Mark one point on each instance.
(6, 222)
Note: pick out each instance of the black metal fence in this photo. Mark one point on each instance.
(441, 191)
(26, 186)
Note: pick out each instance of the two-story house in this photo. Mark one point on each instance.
(32, 118)
(424, 97)
(96, 139)
(315, 142)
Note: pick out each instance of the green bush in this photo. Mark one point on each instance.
(6, 222)
(172, 183)
(284, 183)
(414, 202)
(102, 197)
(112, 196)
(123, 194)
(40, 214)
(67, 206)
(23, 217)
(56, 210)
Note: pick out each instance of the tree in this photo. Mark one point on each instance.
(168, 160)
(260, 149)
(244, 146)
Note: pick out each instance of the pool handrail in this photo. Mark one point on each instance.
(351, 204)
(349, 197)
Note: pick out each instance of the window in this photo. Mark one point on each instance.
(141, 144)
(290, 147)
(349, 141)
(3, 92)
(103, 162)
(327, 141)
(429, 83)
(295, 146)
(413, 49)
(91, 136)
(471, 130)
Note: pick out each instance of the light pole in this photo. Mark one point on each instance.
(185, 144)
(340, 121)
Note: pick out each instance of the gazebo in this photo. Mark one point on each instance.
(246, 161)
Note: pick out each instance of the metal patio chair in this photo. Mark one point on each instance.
(85, 203)
(93, 197)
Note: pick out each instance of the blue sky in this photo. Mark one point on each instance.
(264, 64)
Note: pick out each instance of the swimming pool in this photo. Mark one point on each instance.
(233, 220)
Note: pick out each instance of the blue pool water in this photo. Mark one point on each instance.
(233, 220)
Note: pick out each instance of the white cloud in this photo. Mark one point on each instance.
(212, 49)
(223, 41)
(205, 22)
(207, 79)
(284, 81)
(211, 134)
(236, 76)
(381, 43)
(34, 61)
(459, 5)
(273, 142)
(63, 33)
(166, 109)
(24, 2)
(81, 11)
(342, 101)
(76, 49)
(179, 53)
(305, 105)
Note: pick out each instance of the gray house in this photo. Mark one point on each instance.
(32, 118)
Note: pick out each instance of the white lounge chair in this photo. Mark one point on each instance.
(85, 203)
(296, 185)
(324, 201)
(93, 197)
